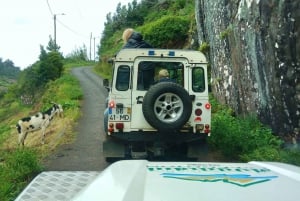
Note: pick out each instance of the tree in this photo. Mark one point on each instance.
(78, 54)
(8, 69)
(29, 83)
(43, 54)
(51, 67)
(33, 79)
(52, 46)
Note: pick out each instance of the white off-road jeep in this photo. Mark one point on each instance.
(147, 116)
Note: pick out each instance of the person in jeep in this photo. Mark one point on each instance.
(133, 39)
(163, 76)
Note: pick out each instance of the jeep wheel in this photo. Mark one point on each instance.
(167, 106)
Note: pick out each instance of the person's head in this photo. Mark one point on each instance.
(126, 34)
(163, 73)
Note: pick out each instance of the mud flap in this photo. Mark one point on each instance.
(113, 149)
(198, 150)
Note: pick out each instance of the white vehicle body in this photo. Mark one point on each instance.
(140, 180)
(143, 110)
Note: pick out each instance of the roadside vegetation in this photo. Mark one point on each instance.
(245, 138)
(165, 24)
(48, 80)
(18, 165)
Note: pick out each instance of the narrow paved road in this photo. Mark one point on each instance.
(85, 154)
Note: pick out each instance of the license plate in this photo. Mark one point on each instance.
(119, 114)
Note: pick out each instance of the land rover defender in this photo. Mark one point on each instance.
(147, 116)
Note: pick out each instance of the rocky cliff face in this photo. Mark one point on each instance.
(254, 55)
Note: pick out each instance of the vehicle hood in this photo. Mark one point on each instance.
(141, 180)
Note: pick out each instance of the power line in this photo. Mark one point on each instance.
(49, 7)
(64, 25)
(70, 29)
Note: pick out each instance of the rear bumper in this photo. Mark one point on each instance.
(153, 136)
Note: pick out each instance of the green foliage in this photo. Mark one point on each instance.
(169, 31)
(267, 153)
(104, 69)
(17, 169)
(19, 166)
(124, 17)
(69, 64)
(8, 69)
(7, 109)
(111, 46)
(50, 82)
(33, 79)
(204, 47)
(8, 75)
(4, 130)
(143, 16)
(65, 90)
(291, 156)
(242, 138)
(51, 67)
(224, 34)
(29, 82)
(179, 4)
(52, 46)
(169, 8)
(77, 55)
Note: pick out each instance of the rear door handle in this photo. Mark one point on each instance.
(139, 99)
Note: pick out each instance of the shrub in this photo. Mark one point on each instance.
(104, 69)
(243, 138)
(224, 34)
(65, 91)
(204, 47)
(267, 153)
(291, 156)
(51, 67)
(167, 31)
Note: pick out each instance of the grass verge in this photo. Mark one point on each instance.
(18, 166)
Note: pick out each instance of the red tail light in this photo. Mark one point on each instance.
(207, 106)
(120, 126)
(198, 112)
(111, 127)
(111, 104)
(197, 119)
(207, 128)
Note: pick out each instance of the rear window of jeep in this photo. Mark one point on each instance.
(198, 79)
(123, 78)
(148, 73)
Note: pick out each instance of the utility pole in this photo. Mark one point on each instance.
(91, 47)
(54, 17)
(94, 50)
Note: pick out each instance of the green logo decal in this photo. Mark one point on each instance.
(242, 180)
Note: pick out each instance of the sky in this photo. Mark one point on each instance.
(27, 24)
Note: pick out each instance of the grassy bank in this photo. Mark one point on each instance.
(19, 165)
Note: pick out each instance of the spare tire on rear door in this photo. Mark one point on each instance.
(167, 106)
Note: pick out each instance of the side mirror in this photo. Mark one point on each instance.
(106, 84)
(111, 61)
